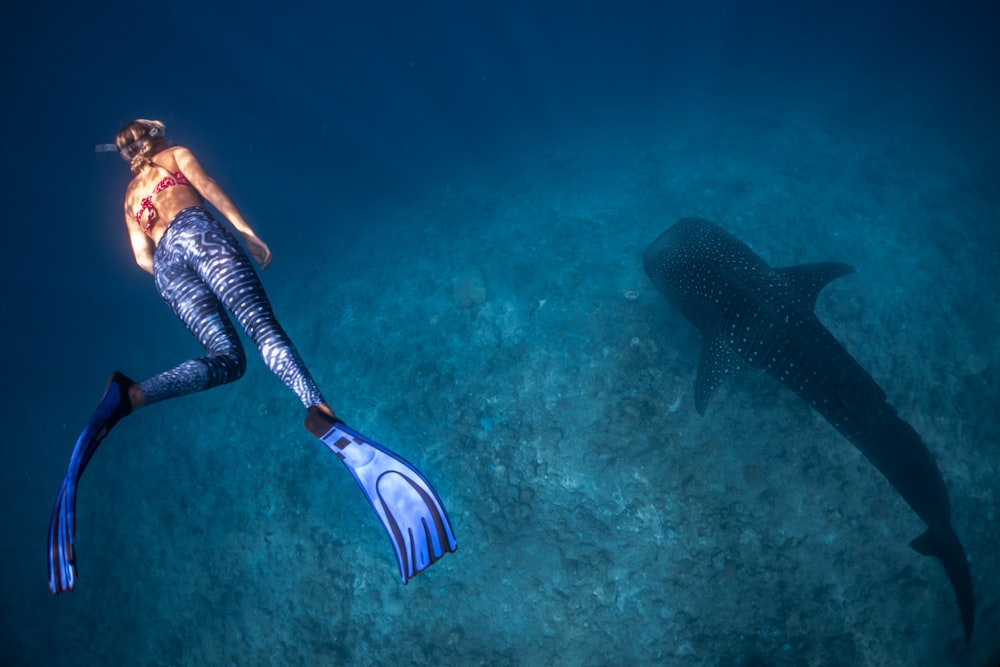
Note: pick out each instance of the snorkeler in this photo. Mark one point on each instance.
(201, 270)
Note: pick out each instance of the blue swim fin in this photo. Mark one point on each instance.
(404, 501)
(62, 561)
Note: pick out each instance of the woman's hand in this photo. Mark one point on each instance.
(258, 250)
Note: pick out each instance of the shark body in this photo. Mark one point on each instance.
(752, 315)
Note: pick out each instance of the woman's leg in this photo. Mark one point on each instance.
(199, 309)
(224, 266)
(196, 305)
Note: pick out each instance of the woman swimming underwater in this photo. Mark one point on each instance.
(200, 271)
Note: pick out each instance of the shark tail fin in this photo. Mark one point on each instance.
(948, 549)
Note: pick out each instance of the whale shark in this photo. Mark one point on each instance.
(755, 316)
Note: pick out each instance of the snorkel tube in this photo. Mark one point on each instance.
(153, 129)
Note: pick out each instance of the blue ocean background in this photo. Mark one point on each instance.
(458, 196)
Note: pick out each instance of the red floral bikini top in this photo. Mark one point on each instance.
(146, 205)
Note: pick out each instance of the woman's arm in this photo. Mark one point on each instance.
(213, 192)
(142, 245)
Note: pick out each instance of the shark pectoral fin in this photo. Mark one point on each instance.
(718, 361)
(810, 279)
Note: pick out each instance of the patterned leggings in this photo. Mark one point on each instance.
(199, 267)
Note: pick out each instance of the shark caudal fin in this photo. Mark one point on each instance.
(948, 549)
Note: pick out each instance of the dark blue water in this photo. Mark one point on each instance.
(458, 198)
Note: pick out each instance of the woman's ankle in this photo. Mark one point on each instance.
(136, 397)
(326, 409)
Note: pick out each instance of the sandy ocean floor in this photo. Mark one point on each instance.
(499, 332)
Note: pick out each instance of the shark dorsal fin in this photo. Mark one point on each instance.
(810, 279)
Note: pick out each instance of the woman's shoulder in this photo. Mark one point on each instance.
(170, 152)
(175, 155)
